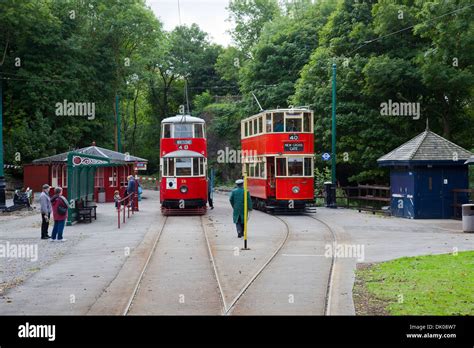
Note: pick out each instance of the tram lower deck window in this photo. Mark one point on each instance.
(295, 167)
(183, 166)
(281, 166)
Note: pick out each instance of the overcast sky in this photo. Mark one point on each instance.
(210, 15)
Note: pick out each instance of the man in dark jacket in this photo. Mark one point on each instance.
(237, 202)
(45, 209)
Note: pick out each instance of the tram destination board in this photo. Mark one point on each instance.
(293, 147)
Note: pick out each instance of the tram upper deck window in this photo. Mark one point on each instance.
(198, 130)
(166, 131)
(281, 166)
(268, 123)
(183, 166)
(260, 124)
(293, 124)
(183, 130)
(246, 125)
(278, 122)
(307, 122)
(295, 167)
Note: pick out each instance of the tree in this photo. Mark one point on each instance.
(249, 17)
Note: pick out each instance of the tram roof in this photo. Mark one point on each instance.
(294, 110)
(183, 119)
(183, 153)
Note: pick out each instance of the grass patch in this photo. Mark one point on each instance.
(423, 285)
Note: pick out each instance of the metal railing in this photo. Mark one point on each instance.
(128, 205)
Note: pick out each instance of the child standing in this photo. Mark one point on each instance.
(117, 199)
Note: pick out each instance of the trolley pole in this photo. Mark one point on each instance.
(245, 212)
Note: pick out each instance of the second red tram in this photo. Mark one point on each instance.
(278, 158)
(183, 166)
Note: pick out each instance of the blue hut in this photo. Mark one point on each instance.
(423, 173)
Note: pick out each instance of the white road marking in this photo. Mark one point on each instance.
(304, 255)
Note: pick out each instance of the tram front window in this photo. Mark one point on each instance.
(183, 130)
(183, 166)
(295, 167)
(293, 125)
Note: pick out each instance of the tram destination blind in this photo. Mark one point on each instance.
(292, 147)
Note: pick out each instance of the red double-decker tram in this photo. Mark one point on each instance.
(278, 158)
(183, 166)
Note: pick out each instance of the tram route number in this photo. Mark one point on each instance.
(294, 137)
(293, 147)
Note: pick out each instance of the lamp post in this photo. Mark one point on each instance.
(2, 174)
(333, 135)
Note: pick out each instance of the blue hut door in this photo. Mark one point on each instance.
(430, 194)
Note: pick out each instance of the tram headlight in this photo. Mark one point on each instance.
(295, 189)
(183, 189)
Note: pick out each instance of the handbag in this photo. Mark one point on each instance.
(62, 208)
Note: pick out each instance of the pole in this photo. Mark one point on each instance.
(333, 133)
(2, 177)
(117, 110)
(245, 211)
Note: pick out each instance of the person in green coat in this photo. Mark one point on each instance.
(237, 202)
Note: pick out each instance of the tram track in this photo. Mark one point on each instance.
(152, 253)
(145, 266)
(227, 308)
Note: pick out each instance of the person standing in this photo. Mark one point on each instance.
(237, 201)
(60, 207)
(46, 209)
(131, 188)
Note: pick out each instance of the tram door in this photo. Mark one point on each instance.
(271, 183)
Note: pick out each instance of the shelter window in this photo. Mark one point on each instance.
(281, 166)
(198, 130)
(269, 123)
(183, 166)
(166, 131)
(295, 166)
(293, 124)
(64, 176)
(278, 122)
(113, 178)
(307, 122)
(99, 177)
(54, 179)
(184, 130)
